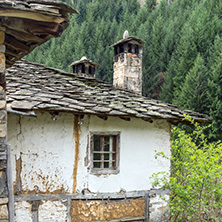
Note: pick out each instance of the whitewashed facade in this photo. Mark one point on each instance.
(44, 149)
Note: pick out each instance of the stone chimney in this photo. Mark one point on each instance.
(128, 63)
(84, 67)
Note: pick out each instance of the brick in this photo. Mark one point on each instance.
(3, 130)
(3, 201)
(2, 104)
(3, 212)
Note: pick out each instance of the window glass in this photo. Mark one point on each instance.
(104, 152)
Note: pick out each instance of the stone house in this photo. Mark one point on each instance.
(82, 149)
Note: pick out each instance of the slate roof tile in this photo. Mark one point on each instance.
(32, 86)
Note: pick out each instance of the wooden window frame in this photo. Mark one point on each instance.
(105, 170)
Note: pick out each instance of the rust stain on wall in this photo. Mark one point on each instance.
(76, 134)
(37, 191)
(46, 184)
(106, 210)
(18, 183)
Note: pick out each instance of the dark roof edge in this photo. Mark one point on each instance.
(140, 41)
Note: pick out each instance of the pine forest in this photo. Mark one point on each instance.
(182, 56)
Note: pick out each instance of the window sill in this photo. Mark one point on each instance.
(104, 172)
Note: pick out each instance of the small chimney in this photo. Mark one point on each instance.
(128, 63)
(84, 67)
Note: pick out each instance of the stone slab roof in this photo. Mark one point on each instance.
(32, 86)
(45, 6)
(84, 60)
(133, 39)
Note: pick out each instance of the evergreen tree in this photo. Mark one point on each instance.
(215, 88)
(194, 90)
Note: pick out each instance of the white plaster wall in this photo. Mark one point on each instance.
(23, 212)
(158, 208)
(47, 151)
(138, 142)
(52, 211)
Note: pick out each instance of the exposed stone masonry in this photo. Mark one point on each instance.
(128, 63)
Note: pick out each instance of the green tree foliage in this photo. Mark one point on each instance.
(180, 40)
(215, 88)
(194, 90)
(195, 181)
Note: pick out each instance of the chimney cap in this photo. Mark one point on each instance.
(84, 60)
(126, 34)
(131, 39)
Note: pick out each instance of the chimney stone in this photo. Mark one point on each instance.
(128, 63)
(84, 67)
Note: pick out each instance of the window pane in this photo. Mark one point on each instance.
(97, 146)
(96, 165)
(106, 165)
(96, 156)
(106, 156)
(106, 143)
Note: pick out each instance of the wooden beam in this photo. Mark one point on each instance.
(147, 203)
(8, 62)
(15, 44)
(31, 27)
(10, 186)
(11, 52)
(37, 16)
(22, 36)
(43, 28)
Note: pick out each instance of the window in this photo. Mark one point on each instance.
(105, 152)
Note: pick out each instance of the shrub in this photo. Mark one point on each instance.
(195, 182)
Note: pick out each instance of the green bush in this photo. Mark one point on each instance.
(195, 182)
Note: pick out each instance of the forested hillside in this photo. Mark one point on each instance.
(182, 59)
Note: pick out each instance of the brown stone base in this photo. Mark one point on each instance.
(3, 212)
(107, 210)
